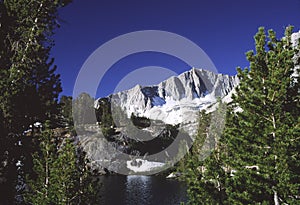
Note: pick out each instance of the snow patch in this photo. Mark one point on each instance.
(295, 38)
(141, 165)
(178, 111)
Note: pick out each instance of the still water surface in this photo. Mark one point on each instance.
(141, 190)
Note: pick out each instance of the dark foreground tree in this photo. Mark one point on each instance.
(257, 159)
(29, 86)
(262, 134)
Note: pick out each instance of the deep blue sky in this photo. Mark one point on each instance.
(223, 29)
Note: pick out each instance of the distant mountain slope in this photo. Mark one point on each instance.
(177, 99)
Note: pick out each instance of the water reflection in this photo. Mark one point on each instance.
(138, 187)
(141, 190)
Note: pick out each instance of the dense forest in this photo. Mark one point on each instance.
(255, 160)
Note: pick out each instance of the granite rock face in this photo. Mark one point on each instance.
(177, 99)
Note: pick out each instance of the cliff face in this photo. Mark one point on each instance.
(176, 99)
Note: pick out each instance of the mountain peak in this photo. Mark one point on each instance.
(177, 98)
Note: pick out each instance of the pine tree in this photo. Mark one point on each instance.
(262, 133)
(29, 86)
(204, 169)
(106, 117)
(193, 162)
(40, 189)
(61, 174)
(65, 105)
(257, 159)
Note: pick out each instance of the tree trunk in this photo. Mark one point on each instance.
(276, 201)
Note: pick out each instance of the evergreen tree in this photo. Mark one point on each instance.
(105, 116)
(40, 190)
(257, 159)
(262, 133)
(204, 167)
(193, 163)
(65, 105)
(29, 86)
(61, 173)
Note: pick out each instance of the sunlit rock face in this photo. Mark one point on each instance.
(177, 99)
